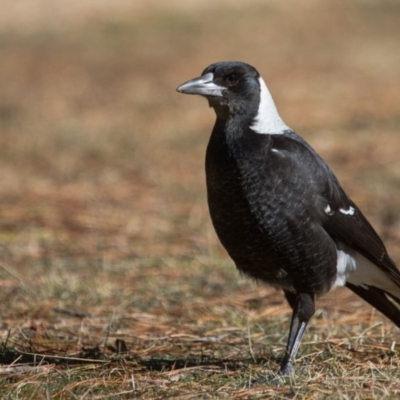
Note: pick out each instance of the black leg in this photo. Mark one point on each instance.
(303, 309)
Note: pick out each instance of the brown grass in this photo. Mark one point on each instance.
(113, 284)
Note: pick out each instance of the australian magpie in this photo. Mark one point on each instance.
(279, 210)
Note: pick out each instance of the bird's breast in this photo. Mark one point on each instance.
(241, 222)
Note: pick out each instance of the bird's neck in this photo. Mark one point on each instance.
(267, 121)
(232, 135)
(263, 119)
(221, 110)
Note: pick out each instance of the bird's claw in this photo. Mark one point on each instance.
(287, 370)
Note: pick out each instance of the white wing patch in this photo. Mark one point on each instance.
(350, 211)
(267, 120)
(328, 210)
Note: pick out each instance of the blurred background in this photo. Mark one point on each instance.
(102, 194)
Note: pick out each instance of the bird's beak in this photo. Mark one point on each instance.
(203, 85)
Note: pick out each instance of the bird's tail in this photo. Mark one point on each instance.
(377, 285)
(385, 302)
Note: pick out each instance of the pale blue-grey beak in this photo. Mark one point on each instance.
(203, 85)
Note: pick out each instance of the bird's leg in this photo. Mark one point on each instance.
(303, 309)
(294, 322)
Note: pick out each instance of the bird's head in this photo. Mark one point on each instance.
(236, 89)
(229, 87)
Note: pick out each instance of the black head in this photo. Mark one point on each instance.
(231, 87)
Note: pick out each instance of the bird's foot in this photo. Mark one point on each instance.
(286, 370)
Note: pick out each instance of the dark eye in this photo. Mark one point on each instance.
(231, 79)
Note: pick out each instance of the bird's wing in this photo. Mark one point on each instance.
(345, 222)
(350, 226)
(376, 279)
(341, 219)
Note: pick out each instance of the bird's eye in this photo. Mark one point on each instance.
(231, 79)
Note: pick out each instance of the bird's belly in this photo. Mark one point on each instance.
(266, 240)
(246, 241)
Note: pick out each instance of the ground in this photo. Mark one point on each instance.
(112, 282)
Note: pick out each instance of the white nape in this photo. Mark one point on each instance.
(267, 120)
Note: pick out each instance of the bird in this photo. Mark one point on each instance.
(279, 210)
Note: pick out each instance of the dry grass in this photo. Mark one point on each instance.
(113, 284)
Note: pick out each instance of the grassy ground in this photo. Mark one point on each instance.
(112, 282)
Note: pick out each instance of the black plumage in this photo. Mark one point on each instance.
(279, 210)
